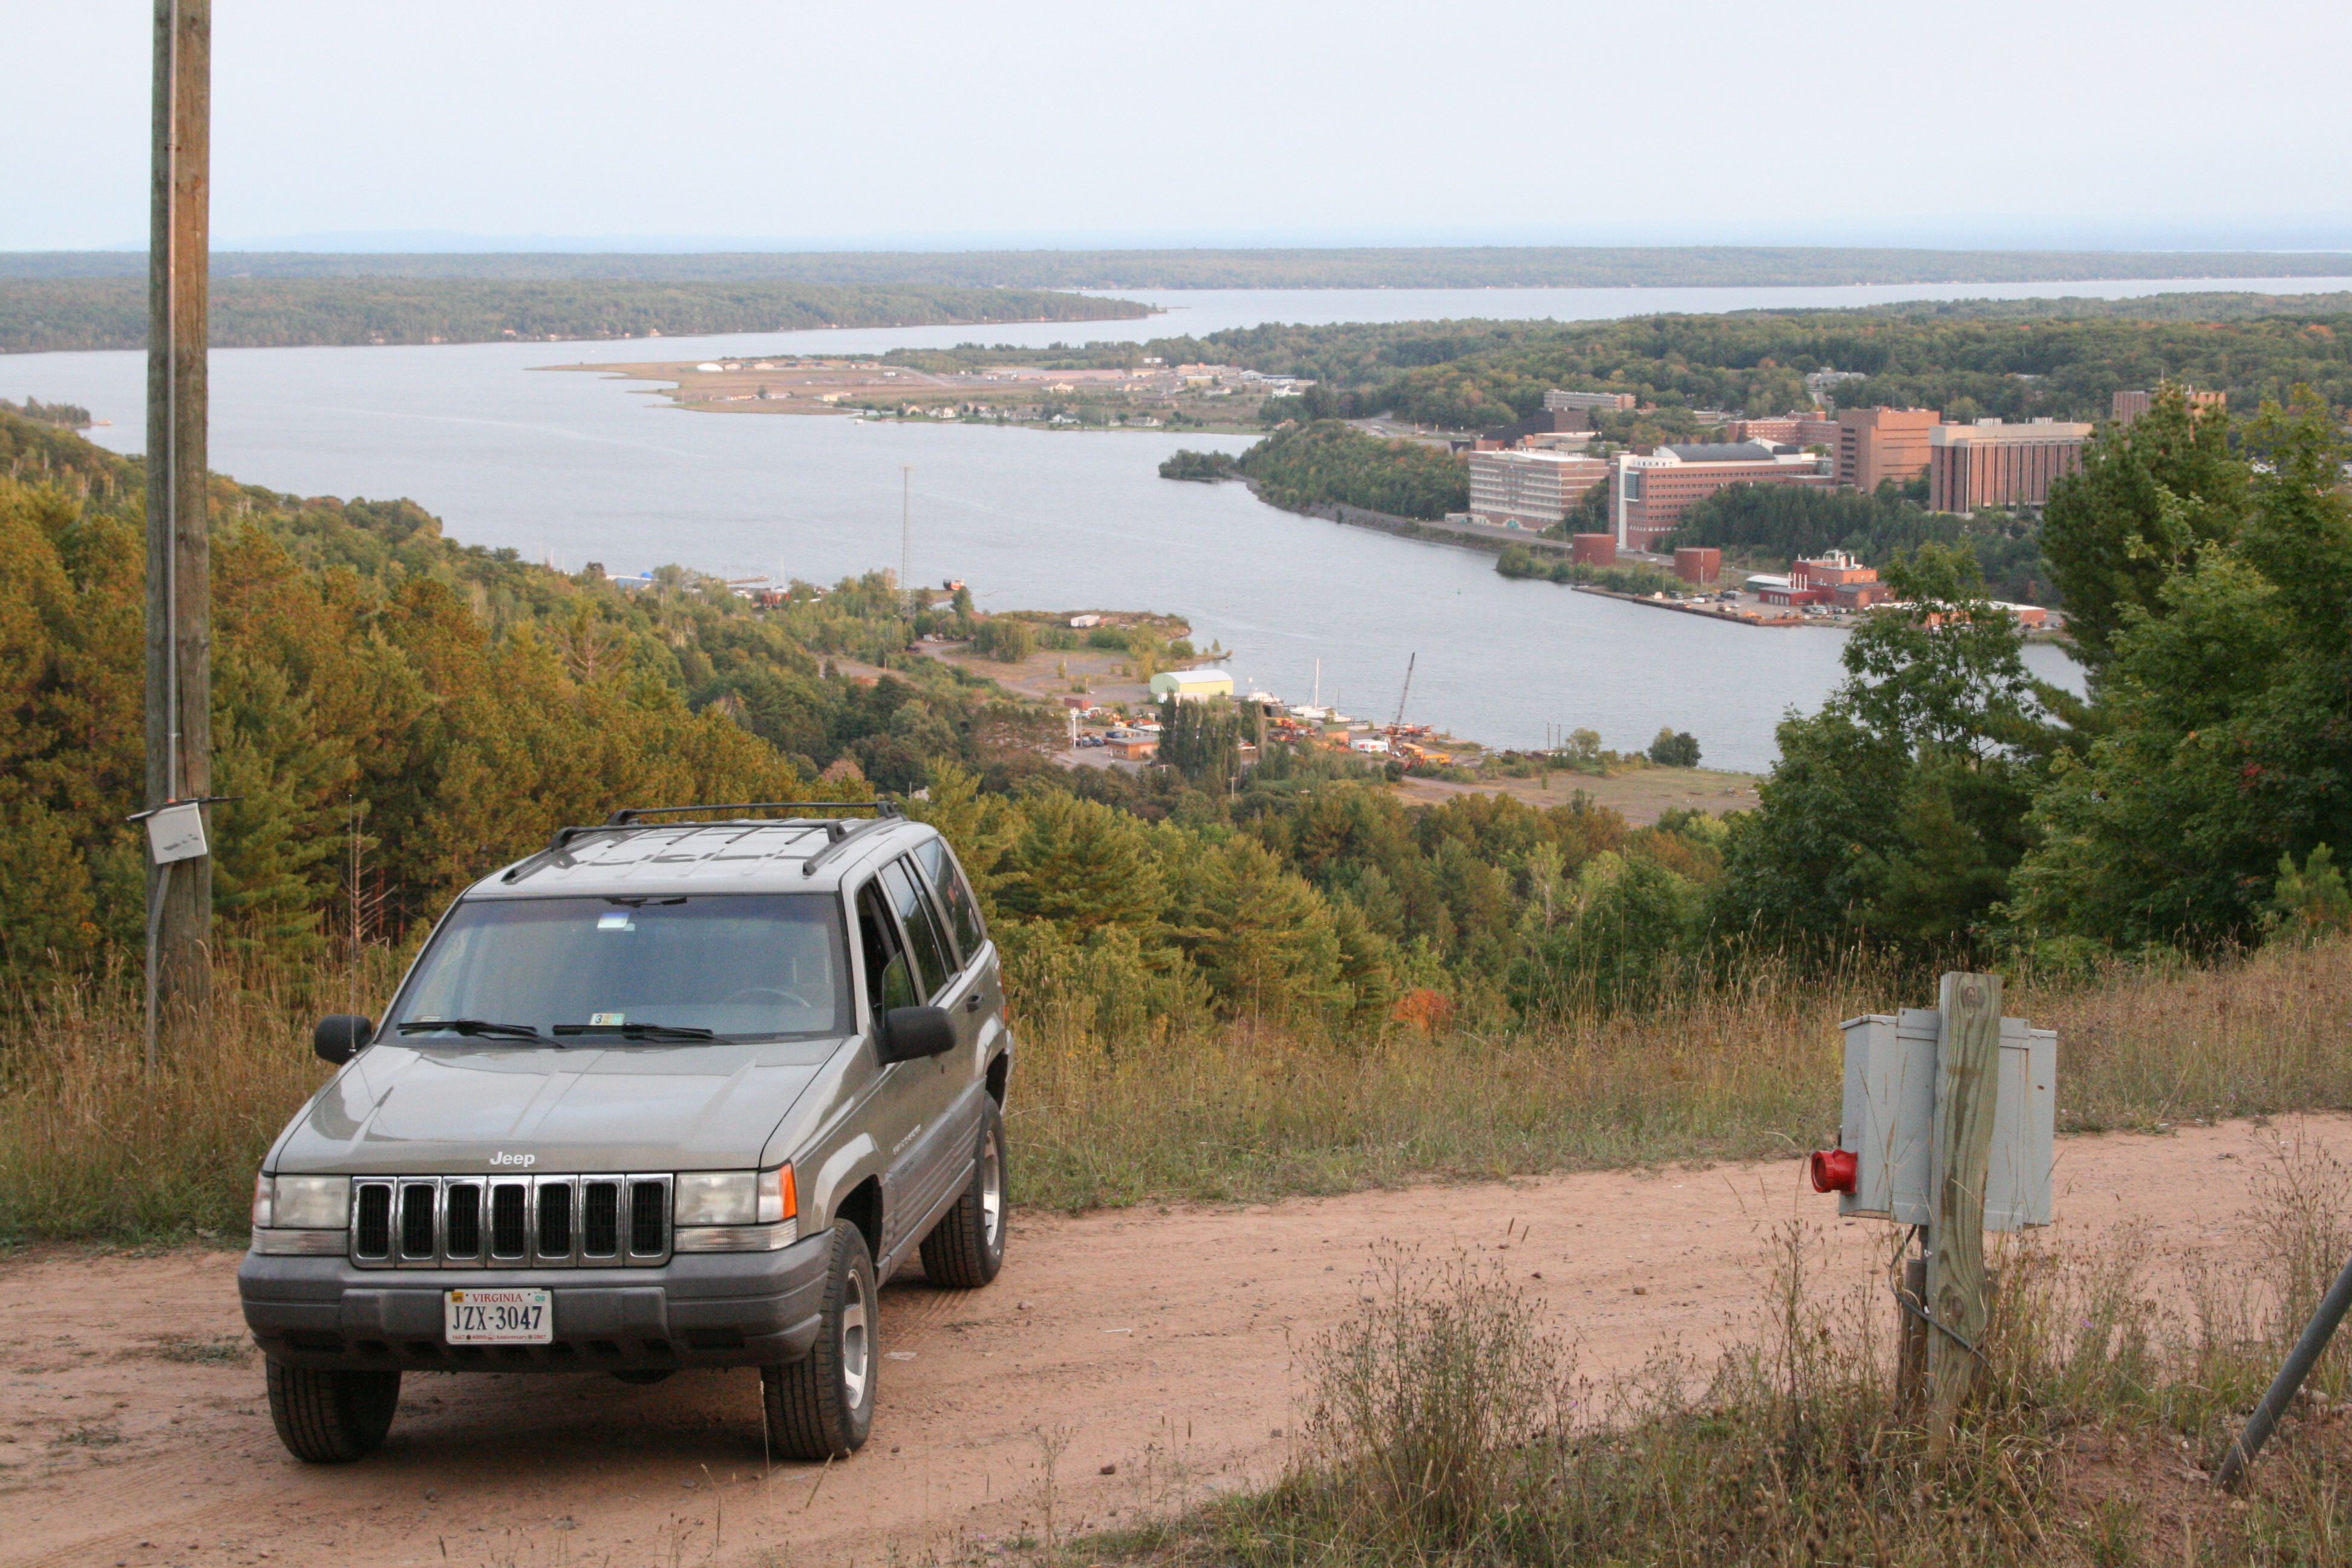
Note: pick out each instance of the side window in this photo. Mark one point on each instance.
(889, 983)
(955, 894)
(922, 932)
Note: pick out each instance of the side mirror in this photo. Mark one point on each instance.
(338, 1039)
(908, 1033)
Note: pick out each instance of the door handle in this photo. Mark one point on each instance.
(971, 1003)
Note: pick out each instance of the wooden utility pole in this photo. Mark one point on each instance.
(179, 561)
(1967, 1060)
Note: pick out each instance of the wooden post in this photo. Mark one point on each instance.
(1911, 1345)
(179, 568)
(1968, 1059)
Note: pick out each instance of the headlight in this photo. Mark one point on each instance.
(736, 1197)
(302, 1203)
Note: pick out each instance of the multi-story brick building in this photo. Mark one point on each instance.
(1649, 494)
(1990, 463)
(1785, 430)
(2130, 406)
(1875, 445)
(1533, 489)
(1557, 399)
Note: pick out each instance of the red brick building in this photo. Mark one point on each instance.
(1992, 464)
(1875, 445)
(1649, 494)
(1787, 430)
(2130, 406)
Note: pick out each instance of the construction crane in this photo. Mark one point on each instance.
(1397, 724)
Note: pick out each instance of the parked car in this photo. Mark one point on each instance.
(666, 1094)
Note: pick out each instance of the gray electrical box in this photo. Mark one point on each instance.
(176, 832)
(1889, 1124)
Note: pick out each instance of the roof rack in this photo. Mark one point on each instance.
(629, 816)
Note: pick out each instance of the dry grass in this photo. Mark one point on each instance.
(1447, 1426)
(89, 1147)
(1725, 1072)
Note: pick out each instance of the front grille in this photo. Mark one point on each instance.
(372, 1223)
(648, 1217)
(534, 1222)
(599, 1218)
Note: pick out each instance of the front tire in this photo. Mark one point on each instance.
(821, 1405)
(966, 1248)
(331, 1417)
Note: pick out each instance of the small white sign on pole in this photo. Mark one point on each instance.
(176, 832)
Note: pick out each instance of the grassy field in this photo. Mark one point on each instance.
(90, 1147)
(1639, 795)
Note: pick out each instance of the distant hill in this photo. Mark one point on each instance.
(1485, 267)
(51, 313)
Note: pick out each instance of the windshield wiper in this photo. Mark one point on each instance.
(638, 1031)
(472, 1028)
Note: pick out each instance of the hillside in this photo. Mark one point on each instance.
(46, 314)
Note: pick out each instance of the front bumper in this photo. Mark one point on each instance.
(697, 1309)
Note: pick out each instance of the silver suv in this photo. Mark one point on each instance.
(662, 1095)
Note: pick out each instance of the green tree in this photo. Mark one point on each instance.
(2224, 739)
(1673, 750)
(1898, 812)
(2150, 495)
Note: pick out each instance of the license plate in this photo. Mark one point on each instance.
(498, 1317)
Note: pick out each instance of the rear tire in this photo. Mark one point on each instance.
(966, 1248)
(331, 1417)
(821, 1405)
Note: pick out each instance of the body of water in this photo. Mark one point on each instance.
(573, 467)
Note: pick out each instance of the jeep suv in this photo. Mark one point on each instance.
(665, 1094)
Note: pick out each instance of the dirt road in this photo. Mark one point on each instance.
(134, 1429)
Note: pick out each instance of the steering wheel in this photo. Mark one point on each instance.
(791, 998)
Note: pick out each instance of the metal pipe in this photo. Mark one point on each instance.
(157, 883)
(2299, 1363)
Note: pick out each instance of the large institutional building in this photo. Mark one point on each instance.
(1992, 464)
(1649, 495)
(1559, 401)
(1879, 444)
(2130, 406)
(1530, 489)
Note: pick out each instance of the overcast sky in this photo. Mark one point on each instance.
(920, 123)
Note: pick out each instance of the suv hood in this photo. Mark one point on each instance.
(462, 1108)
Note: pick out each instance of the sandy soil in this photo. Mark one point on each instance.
(1159, 1343)
(1639, 795)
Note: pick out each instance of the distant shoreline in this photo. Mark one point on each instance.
(59, 315)
(1297, 266)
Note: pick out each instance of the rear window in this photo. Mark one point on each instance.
(954, 895)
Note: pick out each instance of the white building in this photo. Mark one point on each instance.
(1530, 490)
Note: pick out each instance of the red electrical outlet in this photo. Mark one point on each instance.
(1833, 1170)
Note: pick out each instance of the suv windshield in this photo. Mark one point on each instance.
(637, 970)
